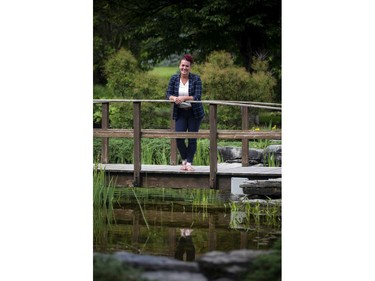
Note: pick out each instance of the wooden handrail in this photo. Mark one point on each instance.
(217, 102)
(213, 134)
(202, 134)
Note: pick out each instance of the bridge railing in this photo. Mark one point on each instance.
(213, 134)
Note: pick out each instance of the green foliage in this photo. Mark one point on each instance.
(223, 80)
(103, 92)
(102, 50)
(127, 81)
(202, 155)
(151, 86)
(157, 151)
(120, 70)
(120, 150)
(154, 30)
(267, 267)
(100, 92)
(109, 268)
(154, 151)
(271, 161)
(262, 82)
(252, 214)
(103, 192)
(103, 197)
(270, 118)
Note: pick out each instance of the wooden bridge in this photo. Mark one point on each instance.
(215, 176)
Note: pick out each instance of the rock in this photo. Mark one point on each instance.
(229, 265)
(173, 276)
(270, 187)
(256, 156)
(234, 155)
(215, 266)
(153, 263)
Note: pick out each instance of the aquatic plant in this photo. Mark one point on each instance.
(103, 197)
(103, 192)
(245, 212)
(140, 207)
(272, 161)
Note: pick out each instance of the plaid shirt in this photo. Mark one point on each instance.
(195, 90)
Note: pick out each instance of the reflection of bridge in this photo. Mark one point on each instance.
(212, 231)
(213, 176)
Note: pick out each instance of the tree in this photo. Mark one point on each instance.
(153, 30)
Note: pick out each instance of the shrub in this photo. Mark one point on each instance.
(223, 80)
(127, 81)
(120, 70)
(262, 82)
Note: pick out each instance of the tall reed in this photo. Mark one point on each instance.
(140, 207)
(154, 151)
(103, 197)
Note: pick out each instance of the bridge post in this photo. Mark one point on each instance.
(173, 155)
(105, 125)
(245, 142)
(137, 143)
(213, 145)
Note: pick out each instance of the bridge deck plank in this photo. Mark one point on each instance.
(234, 169)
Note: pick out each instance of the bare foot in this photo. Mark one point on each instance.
(189, 167)
(183, 167)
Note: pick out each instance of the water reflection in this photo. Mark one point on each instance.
(166, 232)
(185, 246)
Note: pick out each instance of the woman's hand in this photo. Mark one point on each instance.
(176, 100)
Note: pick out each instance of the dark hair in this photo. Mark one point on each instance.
(189, 58)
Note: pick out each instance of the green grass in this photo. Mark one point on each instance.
(157, 151)
(165, 71)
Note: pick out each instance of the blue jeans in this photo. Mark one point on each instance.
(186, 122)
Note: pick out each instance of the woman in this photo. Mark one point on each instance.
(184, 87)
(185, 246)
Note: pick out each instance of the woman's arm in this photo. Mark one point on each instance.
(170, 94)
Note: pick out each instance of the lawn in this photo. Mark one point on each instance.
(165, 71)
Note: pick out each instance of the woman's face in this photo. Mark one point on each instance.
(184, 67)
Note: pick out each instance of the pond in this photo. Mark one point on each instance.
(184, 223)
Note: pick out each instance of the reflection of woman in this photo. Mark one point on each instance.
(185, 245)
(182, 88)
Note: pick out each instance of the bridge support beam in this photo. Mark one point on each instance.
(105, 125)
(137, 143)
(213, 145)
(245, 142)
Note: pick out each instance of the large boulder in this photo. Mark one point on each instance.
(270, 187)
(234, 154)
